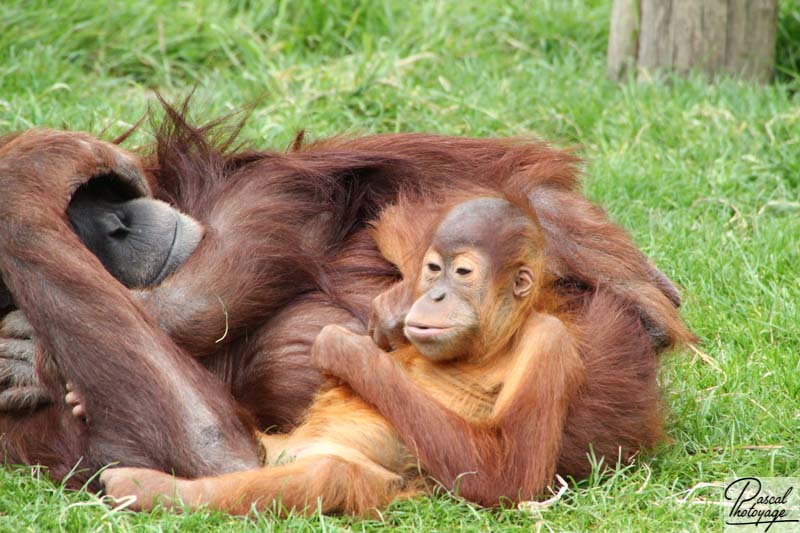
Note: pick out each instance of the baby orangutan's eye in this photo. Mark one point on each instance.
(433, 267)
(462, 271)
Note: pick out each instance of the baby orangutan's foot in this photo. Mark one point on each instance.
(148, 488)
(75, 401)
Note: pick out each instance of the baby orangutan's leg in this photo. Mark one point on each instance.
(315, 483)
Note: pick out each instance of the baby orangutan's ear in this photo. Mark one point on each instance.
(523, 282)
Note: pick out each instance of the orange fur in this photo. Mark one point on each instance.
(287, 251)
(488, 425)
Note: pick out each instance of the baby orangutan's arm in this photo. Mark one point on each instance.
(514, 453)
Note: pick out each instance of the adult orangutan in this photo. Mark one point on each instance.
(480, 398)
(285, 250)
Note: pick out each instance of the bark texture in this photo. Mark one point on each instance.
(711, 36)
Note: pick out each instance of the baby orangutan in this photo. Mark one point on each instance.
(477, 401)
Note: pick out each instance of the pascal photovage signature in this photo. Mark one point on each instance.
(751, 507)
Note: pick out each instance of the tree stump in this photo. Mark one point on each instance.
(711, 36)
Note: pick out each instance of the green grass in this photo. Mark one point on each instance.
(705, 176)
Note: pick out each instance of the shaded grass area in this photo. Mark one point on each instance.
(706, 177)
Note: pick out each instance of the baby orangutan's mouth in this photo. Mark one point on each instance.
(417, 331)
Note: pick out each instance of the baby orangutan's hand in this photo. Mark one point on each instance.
(342, 353)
